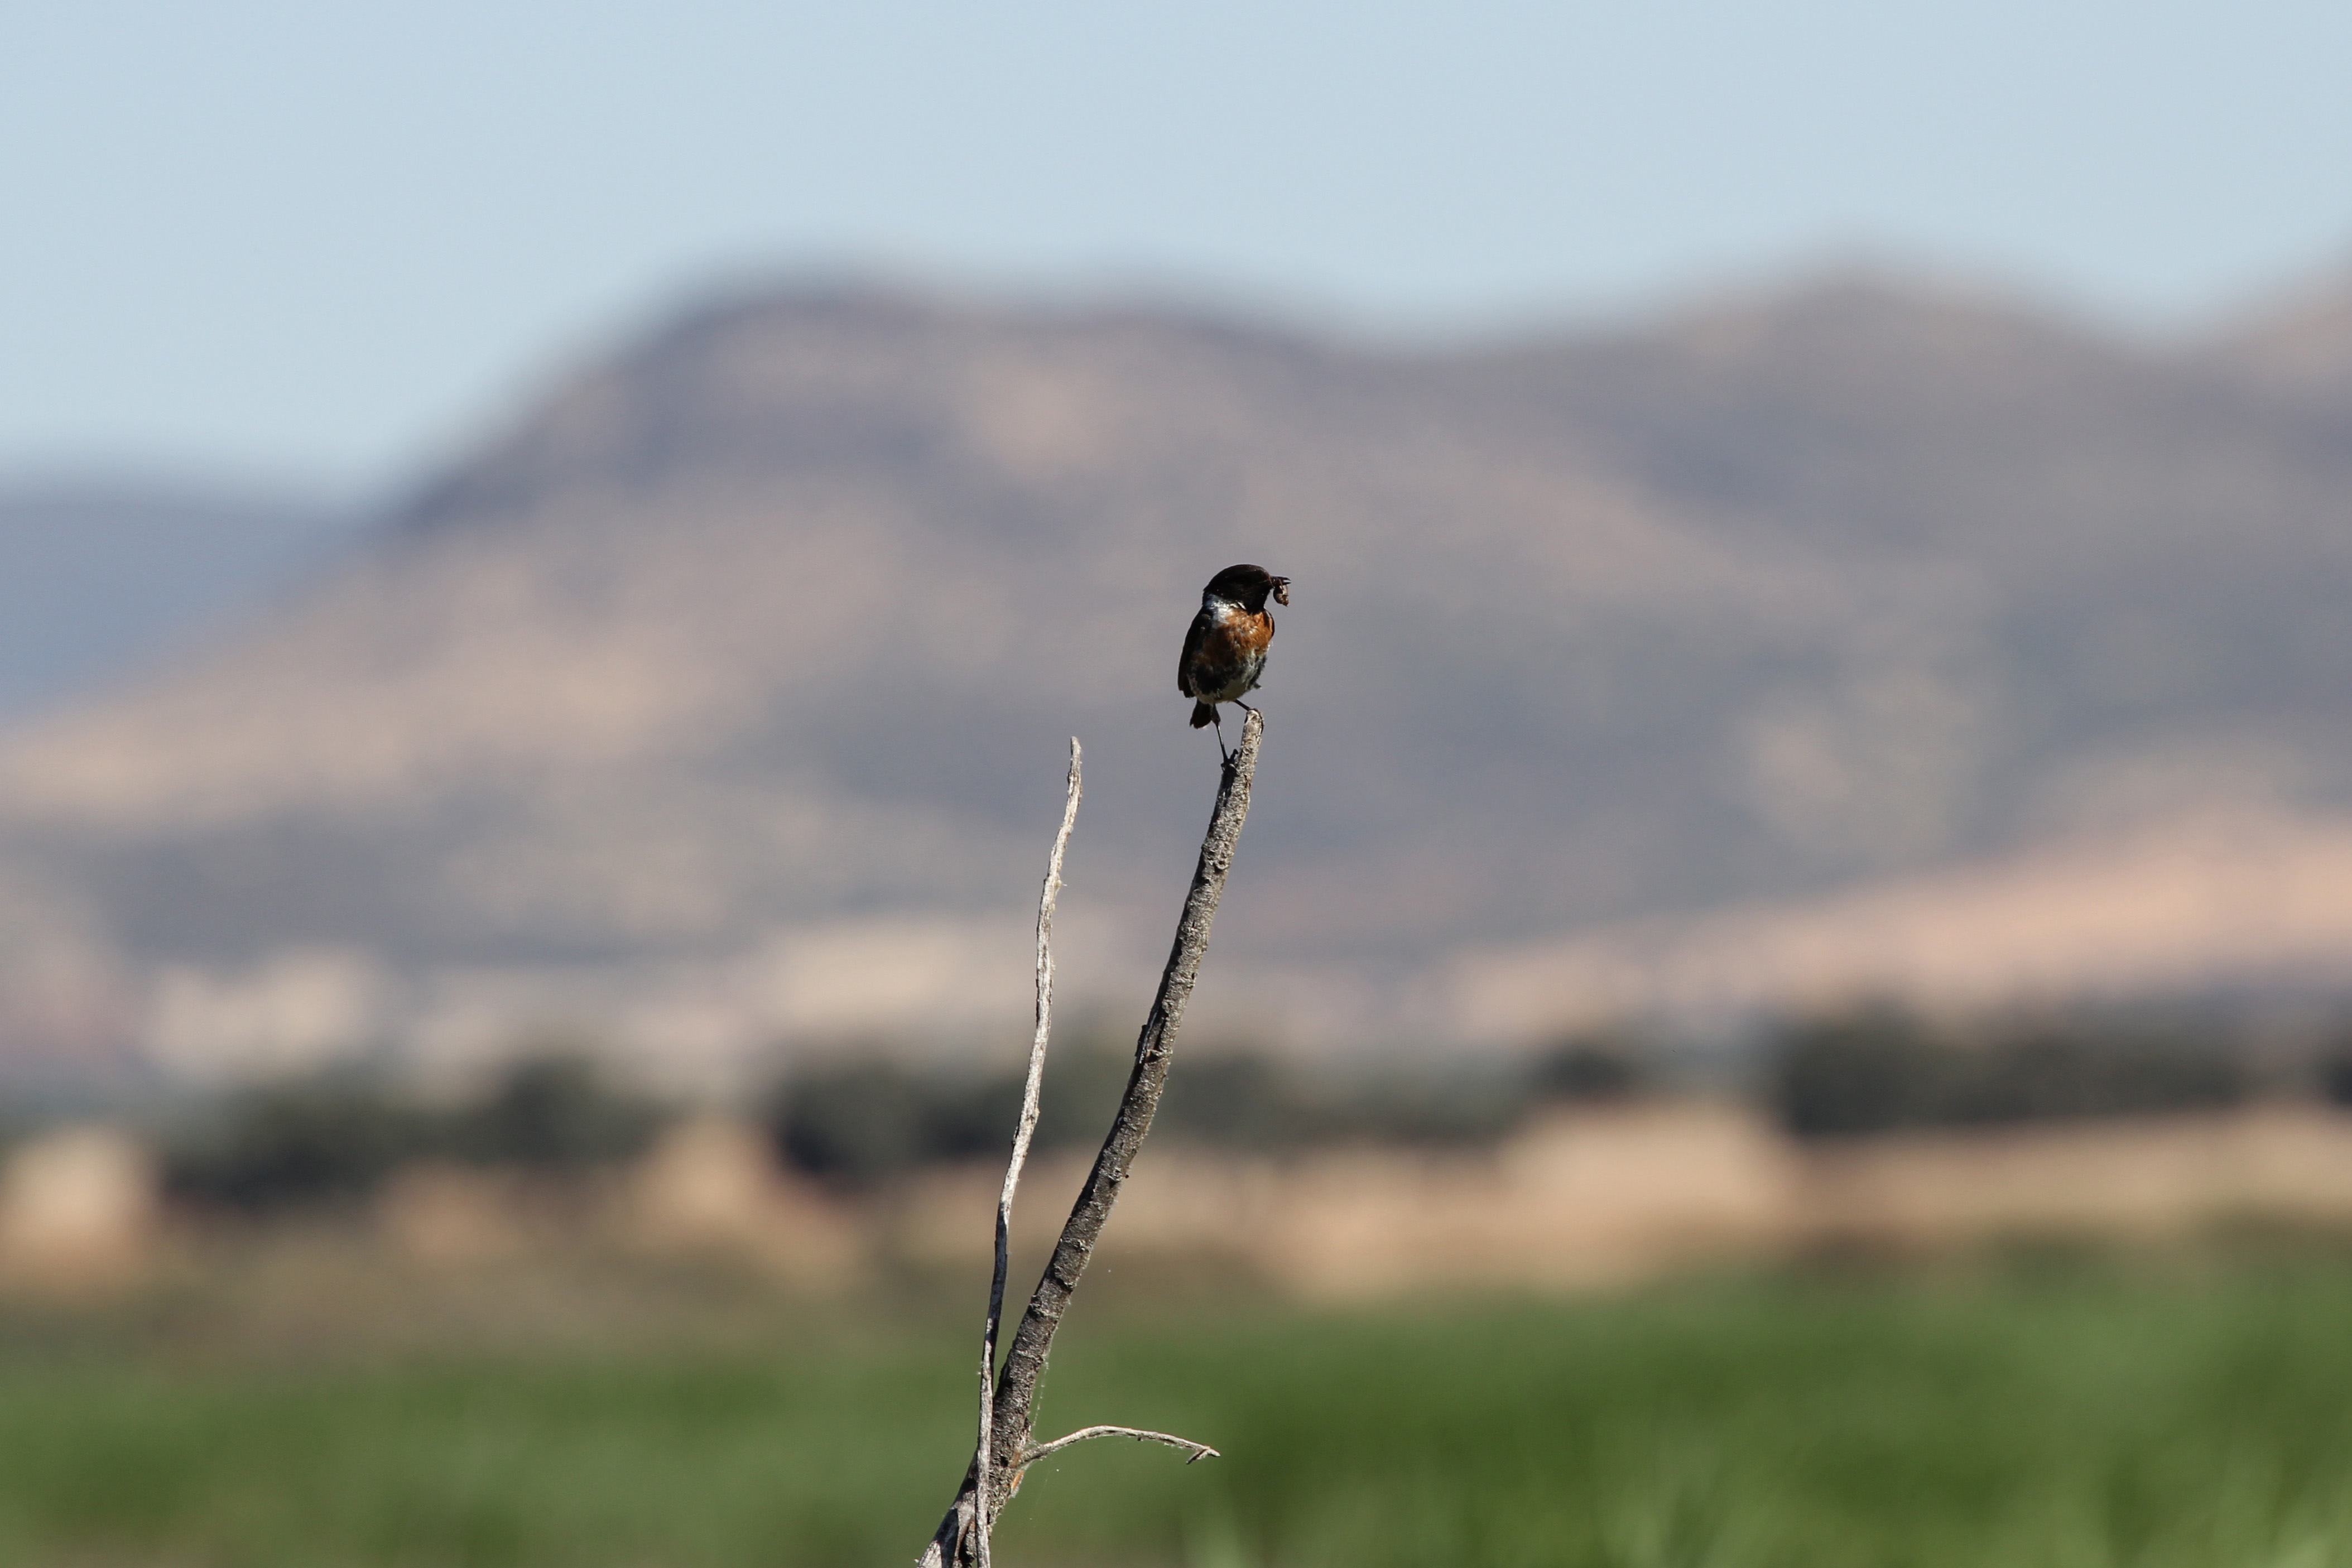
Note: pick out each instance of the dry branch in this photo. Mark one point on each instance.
(962, 1536)
(1196, 1450)
(984, 1466)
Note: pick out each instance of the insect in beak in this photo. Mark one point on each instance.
(1282, 590)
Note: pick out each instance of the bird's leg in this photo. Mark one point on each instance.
(1223, 756)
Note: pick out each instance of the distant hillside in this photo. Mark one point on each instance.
(723, 699)
(2302, 341)
(100, 572)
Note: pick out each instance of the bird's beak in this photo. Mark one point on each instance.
(1282, 590)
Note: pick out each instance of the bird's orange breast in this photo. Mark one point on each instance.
(1223, 663)
(1238, 638)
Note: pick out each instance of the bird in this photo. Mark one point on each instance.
(1224, 651)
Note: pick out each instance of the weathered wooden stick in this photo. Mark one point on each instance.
(957, 1542)
(985, 1467)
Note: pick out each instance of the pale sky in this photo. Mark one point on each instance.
(330, 239)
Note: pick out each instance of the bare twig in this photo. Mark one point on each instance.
(983, 1466)
(1197, 1450)
(955, 1543)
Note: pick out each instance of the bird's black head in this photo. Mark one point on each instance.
(1248, 587)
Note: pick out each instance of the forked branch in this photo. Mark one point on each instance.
(1005, 1450)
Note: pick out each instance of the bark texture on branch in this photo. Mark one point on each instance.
(957, 1542)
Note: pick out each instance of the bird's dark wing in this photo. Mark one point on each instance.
(1200, 624)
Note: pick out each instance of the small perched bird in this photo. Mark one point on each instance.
(1225, 650)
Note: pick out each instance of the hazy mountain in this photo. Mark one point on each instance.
(100, 571)
(2301, 340)
(724, 697)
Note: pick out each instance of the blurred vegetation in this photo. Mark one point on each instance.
(860, 1117)
(2184, 1416)
(297, 1143)
(1877, 1070)
(860, 1120)
(331, 1138)
(553, 1112)
(1599, 1067)
(857, 1117)
(2334, 1071)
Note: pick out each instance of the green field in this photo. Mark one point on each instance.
(2158, 1415)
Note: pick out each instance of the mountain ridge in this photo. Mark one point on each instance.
(777, 617)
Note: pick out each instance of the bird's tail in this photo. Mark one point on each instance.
(1202, 715)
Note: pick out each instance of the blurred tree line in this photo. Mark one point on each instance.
(857, 1118)
(321, 1140)
(1876, 1071)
